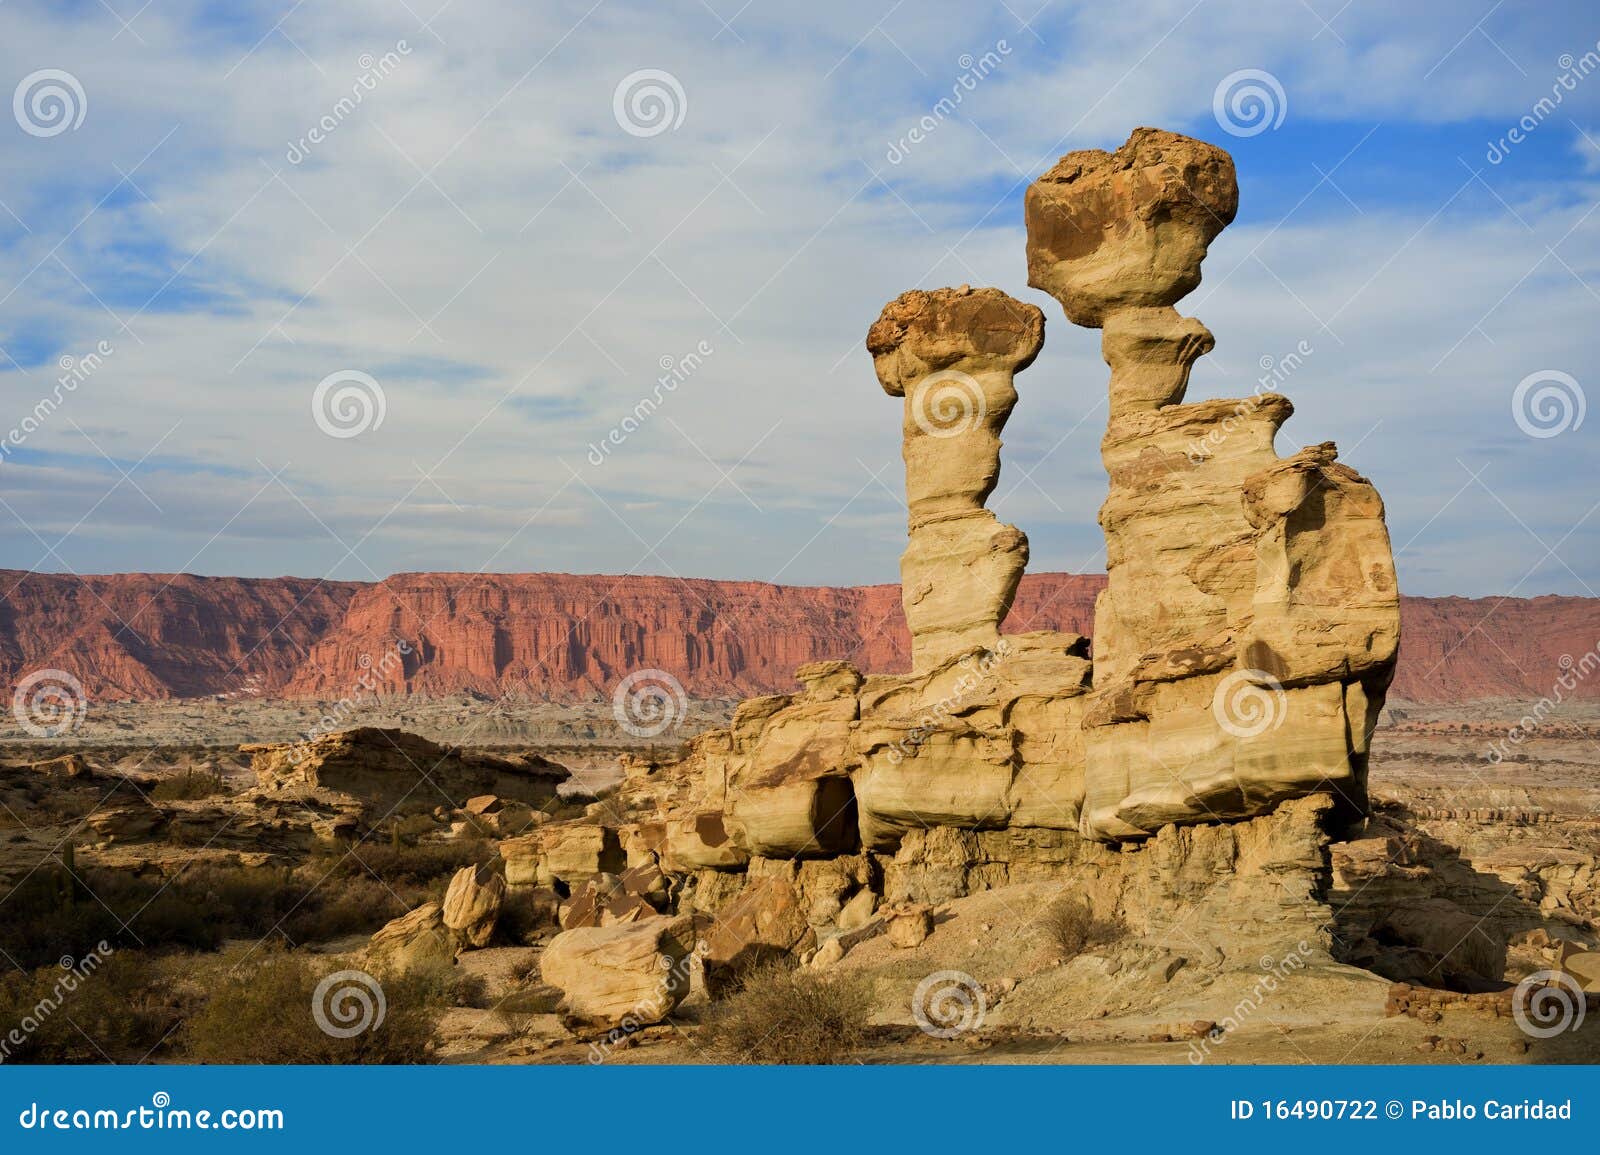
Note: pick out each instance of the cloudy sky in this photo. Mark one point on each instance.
(504, 219)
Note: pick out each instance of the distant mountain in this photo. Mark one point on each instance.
(561, 636)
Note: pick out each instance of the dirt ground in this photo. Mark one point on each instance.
(1134, 1002)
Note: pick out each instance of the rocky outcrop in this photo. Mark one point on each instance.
(951, 355)
(1250, 623)
(393, 772)
(472, 904)
(572, 637)
(627, 974)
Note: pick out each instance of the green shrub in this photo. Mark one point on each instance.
(781, 1014)
(115, 1009)
(262, 1012)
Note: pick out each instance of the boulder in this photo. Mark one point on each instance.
(472, 904)
(630, 973)
(764, 921)
(418, 940)
(909, 926)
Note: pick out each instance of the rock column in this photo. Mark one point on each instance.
(1250, 622)
(951, 354)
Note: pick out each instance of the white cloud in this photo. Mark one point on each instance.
(515, 302)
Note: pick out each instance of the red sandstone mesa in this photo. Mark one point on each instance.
(569, 636)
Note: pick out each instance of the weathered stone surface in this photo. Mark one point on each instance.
(792, 795)
(1109, 232)
(472, 904)
(631, 972)
(391, 772)
(417, 940)
(1250, 621)
(952, 354)
(701, 840)
(909, 926)
(766, 919)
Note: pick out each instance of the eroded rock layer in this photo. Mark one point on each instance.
(1251, 618)
(567, 637)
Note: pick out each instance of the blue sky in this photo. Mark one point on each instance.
(482, 239)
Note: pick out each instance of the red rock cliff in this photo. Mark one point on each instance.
(571, 636)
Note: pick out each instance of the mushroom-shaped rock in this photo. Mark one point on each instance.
(951, 354)
(1248, 628)
(1128, 229)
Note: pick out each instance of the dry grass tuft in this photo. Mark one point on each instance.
(780, 1014)
(1069, 925)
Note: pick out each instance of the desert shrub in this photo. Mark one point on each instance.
(401, 865)
(188, 787)
(115, 1010)
(443, 985)
(781, 1014)
(262, 1012)
(562, 807)
(54, 911)
(1071, 927)
(51, 912)
(342, 907)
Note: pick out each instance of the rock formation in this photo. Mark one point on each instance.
(1250, 623)
(569, 638)
(951, 354)
(1007, 759)
(386, 772)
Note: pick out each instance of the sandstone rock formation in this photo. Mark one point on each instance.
(392, 772)
(1249, 627)
(951, 354)
(632, 973)
(472, 904)
(1009, 759)
(568, 637)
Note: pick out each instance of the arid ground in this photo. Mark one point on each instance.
(196, 891)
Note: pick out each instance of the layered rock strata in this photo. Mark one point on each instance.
(1250, 623)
